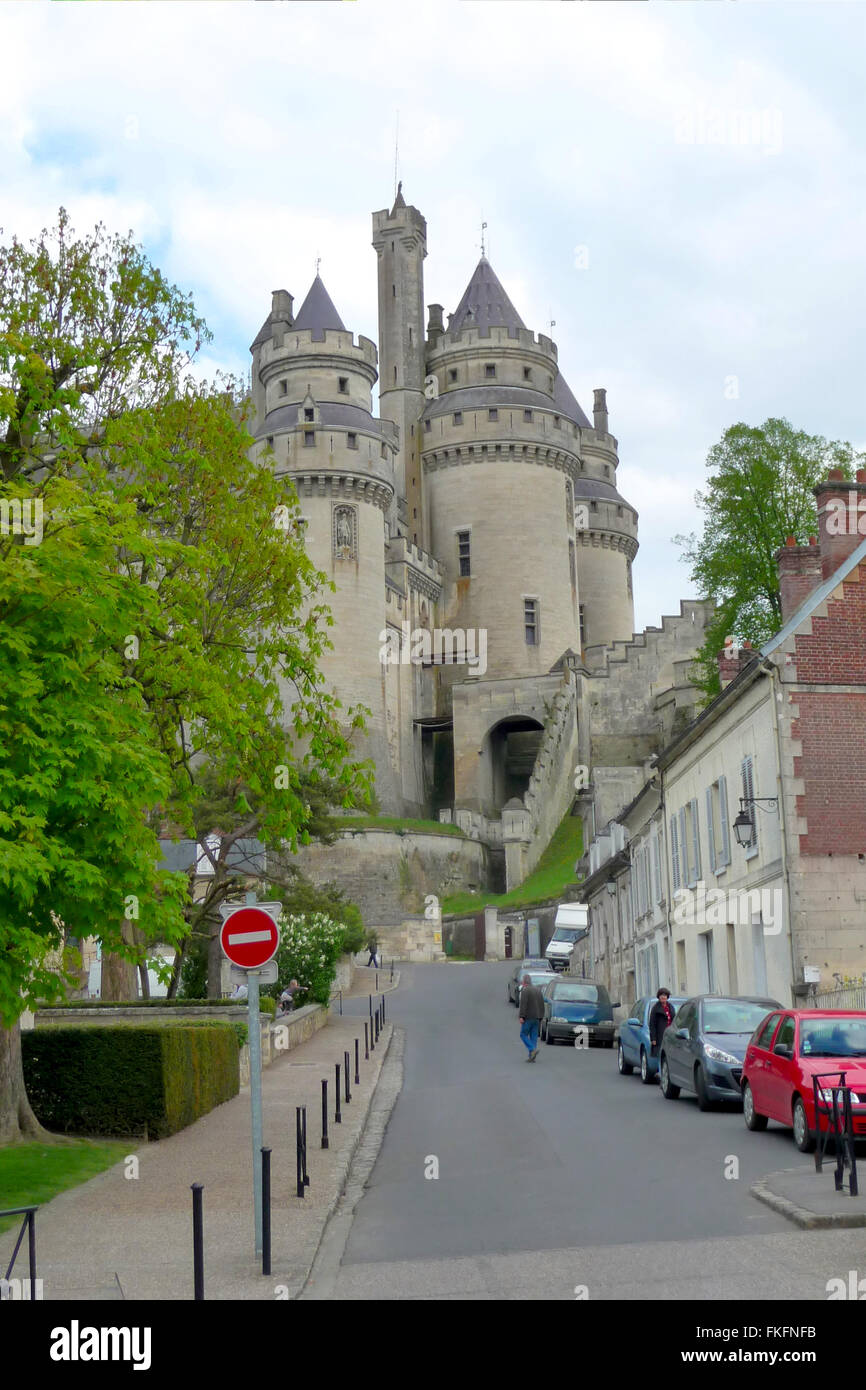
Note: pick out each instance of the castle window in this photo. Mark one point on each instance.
(309, 439)
(581, 624)
(527, 416)
(490, 369)
(414, 511)
(384, 451)
(270, 441)
(352, 440)
(571, 564)
(527, 374)
(309, 413)
(530, 621)
(463, 554)
(606, 471)
(569, 503)
(493, 415)
(593, 506)
(393, 291)
(395, 376)
(556, 423)
(428, 425)
(452, 374)
(498, 448)
(284, 388)
(458, 417)
(343, 385)
(410, 337)
(619, 511)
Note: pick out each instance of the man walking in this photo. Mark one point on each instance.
(531, 1010)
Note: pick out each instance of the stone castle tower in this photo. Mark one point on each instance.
(480, 505)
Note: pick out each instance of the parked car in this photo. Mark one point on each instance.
(523, 968)
(569, 1003)
(783, 1056)
(703, 1049)
(634, 1040)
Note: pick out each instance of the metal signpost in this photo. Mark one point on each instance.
(249, 937)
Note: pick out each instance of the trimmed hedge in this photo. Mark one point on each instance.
(266, 1004)
(134, 1080)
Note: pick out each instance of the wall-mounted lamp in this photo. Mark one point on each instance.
(610, 886)
(744, 826)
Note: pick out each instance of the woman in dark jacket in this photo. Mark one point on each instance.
(661, 1017)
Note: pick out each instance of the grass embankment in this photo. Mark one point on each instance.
(551, 876)
(31, 1174)
(397, 823)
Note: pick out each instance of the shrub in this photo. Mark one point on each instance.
(142, 1004)
(149, 1080)
(309, 949)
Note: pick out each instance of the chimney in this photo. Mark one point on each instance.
(731, 661)
(841, 518)
(799, 573)
(599, 410)
(435, 326)
(281, 307)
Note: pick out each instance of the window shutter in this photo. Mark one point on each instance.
(657, 865)
(748, 793)
(675, 853)
(696, 839)
(725, 856)
(711, 830)
(684, 850)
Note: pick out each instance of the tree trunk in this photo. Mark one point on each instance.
(144, 980)
(119, 975)
(214, 960)
(17, 1120)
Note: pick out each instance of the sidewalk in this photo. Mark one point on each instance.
(118, 1237)
(810, 1199)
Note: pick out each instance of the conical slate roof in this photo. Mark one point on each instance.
(317, 313)
(484, 304)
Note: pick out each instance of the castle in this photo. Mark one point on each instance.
(479, 511)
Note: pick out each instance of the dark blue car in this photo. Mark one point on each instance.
(577, 1008)
(634, 1040)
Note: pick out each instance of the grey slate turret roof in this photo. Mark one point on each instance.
(485, 304)
(317, 313)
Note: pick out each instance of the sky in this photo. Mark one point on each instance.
(678, 186)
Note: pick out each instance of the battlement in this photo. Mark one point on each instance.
(520, 337)
(677, 631)
(334, 342)
(402, 549)
(404, 218)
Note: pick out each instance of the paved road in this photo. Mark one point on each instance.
(562, 1173)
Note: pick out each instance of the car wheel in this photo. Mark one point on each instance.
(669, 1090)
(750, 1114)
(646, 1076)
(624, 1068)
(547, 1038)
(704, 1102)
(803, 1137)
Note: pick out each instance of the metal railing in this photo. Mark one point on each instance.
(854, 997)
(28, 1225)
(837, 1111)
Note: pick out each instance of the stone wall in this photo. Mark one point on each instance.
(389, 874)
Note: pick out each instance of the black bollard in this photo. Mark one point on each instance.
(366, 1043)
(266, 1211)
(371, 1006)
(392, 970)
(357, 1064)
(341, 1003)
(197, 1242)
(377, 982)
(383, 1010)
(346, 1076)
(325, 1140)
(299, 1163)
(304, 1138)
(377, 1024)
(338, 1119)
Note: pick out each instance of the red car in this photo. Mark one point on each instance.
(786, 1051)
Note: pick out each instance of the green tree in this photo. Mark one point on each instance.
(151, 633)
(758, 493)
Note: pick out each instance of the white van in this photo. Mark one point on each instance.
(570, 927)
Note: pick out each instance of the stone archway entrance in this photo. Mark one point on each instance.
(511, 747)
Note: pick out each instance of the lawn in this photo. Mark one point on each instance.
(31, 1174)
(548, 881)
(398, 823)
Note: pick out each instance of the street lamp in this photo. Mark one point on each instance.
(744, 826)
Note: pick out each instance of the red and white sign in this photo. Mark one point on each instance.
(249, 937)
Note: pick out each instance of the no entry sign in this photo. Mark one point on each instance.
(249, 937)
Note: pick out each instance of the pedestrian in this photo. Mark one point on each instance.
(372, 947)
(531, 1009)
(287, 998)
(661, 1017)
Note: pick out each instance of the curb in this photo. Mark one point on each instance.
(324, 1269)
(802, 1216)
